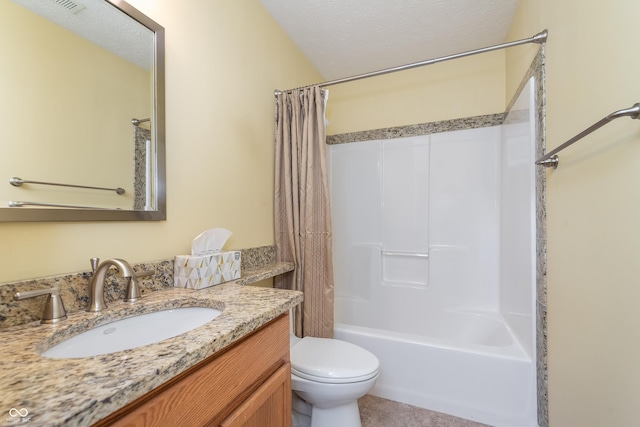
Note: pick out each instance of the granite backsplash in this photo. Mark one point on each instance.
(74, 287)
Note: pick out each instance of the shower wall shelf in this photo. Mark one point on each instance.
(405, 254)
(551, 159)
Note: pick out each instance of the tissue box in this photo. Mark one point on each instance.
(202, 271)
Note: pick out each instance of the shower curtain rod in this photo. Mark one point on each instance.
(539, 38)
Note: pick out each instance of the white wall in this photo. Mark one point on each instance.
(464, 217)
(396, 201)
(517, 219)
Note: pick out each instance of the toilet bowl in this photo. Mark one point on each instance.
(328, 377)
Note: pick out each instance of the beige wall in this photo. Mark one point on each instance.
(593, 207)
(65, 103)
(448, 90)
(223, 61)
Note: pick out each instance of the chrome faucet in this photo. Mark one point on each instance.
(96, 285)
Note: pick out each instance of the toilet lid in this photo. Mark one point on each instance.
(332, 361)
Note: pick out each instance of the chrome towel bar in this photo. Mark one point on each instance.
(551, 159)
(50, 205)
(136, 122)
(17, 182)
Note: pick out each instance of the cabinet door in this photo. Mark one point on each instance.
(268, 406)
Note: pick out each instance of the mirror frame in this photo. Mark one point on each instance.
(20, 214)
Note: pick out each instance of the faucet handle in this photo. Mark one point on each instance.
(133, 288)
(53, 309)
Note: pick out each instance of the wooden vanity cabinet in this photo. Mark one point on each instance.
(247, 384)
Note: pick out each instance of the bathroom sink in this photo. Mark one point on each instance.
(132, 332)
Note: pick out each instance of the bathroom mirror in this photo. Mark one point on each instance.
(82, 105)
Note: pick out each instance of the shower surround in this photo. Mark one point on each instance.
(435, 262)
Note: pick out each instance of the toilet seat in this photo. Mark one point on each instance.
(332, 361)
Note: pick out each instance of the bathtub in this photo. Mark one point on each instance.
(461, 363)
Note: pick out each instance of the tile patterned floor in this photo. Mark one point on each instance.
(378, 412)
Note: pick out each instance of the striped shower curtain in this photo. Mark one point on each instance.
(302, 212)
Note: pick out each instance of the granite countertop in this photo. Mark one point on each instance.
(79, 392)
(266, 271)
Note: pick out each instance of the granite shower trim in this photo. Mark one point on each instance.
(79, 392)
(257, 264)
(418, 129)
(537, 70)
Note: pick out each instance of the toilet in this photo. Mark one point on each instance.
(328, 376)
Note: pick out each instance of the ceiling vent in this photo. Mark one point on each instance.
(71, 6)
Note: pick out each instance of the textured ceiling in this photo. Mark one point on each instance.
(100, 23)
(342, 38)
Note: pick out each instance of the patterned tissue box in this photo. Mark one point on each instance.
(202, 271)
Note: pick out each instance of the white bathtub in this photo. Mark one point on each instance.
(461, 363)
